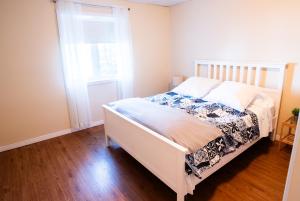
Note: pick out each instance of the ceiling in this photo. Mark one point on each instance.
(160, 2)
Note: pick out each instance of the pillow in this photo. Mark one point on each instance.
(233, 94)
(264, 100)
(196, 86)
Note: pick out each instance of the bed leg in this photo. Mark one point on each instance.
(180, 197)
(107, 140)
(181, 182)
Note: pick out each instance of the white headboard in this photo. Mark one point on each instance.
(248, 73)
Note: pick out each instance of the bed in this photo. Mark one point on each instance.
(170, 167)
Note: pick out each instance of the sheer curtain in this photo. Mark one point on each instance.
(125, 61)
(75, 59)
(95, 45)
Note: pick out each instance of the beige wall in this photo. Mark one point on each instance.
(31, 82)
(257, 30)
(33, 100)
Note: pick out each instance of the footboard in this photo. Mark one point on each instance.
(164, 158)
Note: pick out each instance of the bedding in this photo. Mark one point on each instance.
(176, 125)
(264, 108)
(236, 128)
(233, 94)
(264, 100)
(196, 86)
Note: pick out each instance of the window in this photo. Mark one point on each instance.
(104, 61)
(101, 46)
(95, 43)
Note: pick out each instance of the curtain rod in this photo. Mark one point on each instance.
(96, 4)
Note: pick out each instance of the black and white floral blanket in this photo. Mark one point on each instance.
(238, 128)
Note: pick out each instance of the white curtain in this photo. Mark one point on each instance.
(78, 36)
(125, 61)
(75, 60)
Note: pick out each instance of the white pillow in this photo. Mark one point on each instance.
(196, 86)
(265, 101)
(233, 94)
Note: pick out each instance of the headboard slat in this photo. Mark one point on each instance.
(221, 73)
(257, 76)
(234, 76)
(227, 72)
(242, 70)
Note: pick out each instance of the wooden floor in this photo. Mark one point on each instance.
(79, 167)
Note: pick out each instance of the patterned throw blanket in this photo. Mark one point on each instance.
(238, 128)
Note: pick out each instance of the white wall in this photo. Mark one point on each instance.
(100, 94)
(255, 30)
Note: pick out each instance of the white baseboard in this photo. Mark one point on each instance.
(97, 123)
(43, 137)
(34, 140)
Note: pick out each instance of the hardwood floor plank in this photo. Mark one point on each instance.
(78, 167)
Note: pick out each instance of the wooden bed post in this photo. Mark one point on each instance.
(181, 182)
(107, 138)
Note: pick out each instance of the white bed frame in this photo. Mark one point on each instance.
(166, 159)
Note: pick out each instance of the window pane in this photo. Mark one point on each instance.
(104, 61)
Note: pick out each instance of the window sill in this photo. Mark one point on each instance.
(101, 82)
